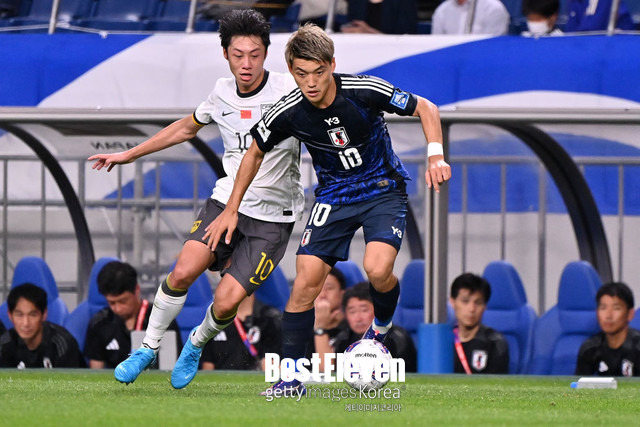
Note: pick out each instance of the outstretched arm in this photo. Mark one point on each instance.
(228, 219)
(438, 170)
(177, 132)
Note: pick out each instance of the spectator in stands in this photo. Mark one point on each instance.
(33, 342)
(593, 15)
(616, 350)
(358, 310)
(329, 315)
(316, 11)
(9, 8)
(256, 330)
(109, 333)
(478, 348)
(491, 17)
(381, 16)
(541, 17)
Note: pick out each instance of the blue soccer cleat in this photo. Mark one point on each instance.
(128, 370)
(186, 366)
(286, 389)
(374, 334)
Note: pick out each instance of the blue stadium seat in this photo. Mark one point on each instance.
(78, 320)
(172, 15)
(351, 271)
(560, 331)
(635, 322)
(120, 15)
(275, 290)
(509, 313)
(40, 12)
(32, 269)
(288, 22)
(195, 307)
(410, 311)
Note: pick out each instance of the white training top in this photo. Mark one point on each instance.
(276, 193)
(491, 18)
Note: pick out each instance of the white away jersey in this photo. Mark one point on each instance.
(276, 194)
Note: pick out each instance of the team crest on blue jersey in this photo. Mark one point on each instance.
(339, 137)
(400, 99)
(479, 359)
(264, 108)
(306, 236)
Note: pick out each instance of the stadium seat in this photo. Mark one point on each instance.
(32, 269)
(40, 12)
(195, 307)
(410, 310)
(509, 313)
(560, 331)
(288, 22)
(275, 290)
(635, 322)
(78, 320)
(172, 15)
(351, 271)
(119, 15)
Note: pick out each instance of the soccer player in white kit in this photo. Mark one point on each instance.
(268, 211)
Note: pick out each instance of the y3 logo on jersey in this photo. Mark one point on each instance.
(332, 121)
(339, 137)
(396, 231)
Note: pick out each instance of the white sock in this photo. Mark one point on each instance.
(165, 309)
(209, 328)
(382, 329)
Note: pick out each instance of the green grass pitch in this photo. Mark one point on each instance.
(87, 398)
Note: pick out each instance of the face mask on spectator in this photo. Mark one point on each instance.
(538, 28)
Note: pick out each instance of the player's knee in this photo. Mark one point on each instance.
(224, 309)
(181, 278)
(378, 272)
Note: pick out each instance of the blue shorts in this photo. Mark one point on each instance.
(329, 231)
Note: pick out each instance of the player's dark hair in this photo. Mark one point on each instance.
(32, 293)
(335, 272)
(616, 289)
(116, 278)
(359, 291)
(244, 22)
(546, 8)
(473, 283)
(311, 43)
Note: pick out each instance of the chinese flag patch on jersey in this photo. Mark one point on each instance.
(245, 114)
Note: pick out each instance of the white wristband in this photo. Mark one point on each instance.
(434, 149)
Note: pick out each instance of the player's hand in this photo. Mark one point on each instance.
(226, 222)
(323, 313)
(438, 172)
(109, 160)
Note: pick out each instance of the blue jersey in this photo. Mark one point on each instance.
(348, 141)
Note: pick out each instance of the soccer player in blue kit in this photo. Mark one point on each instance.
(361, 181)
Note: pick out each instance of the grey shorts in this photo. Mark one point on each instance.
(255, 250)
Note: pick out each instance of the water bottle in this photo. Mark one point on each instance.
(595, 382)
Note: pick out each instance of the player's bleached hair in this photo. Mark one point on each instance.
(311, 43)
(244, 22)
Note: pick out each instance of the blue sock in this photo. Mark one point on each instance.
(384, 304)
(297, 331)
